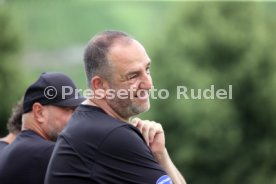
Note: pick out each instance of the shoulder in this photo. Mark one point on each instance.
(28, 149)
(3, 144)
(90, 123)
(124, 153)
(30, 142)
(124, 138)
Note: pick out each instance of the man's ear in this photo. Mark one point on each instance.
(38, 112)
(99, 86)
(97, 83)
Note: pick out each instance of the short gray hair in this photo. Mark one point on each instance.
(96, 53)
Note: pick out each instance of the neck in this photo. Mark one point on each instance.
(104, 106)
(9, 138)
(29, 123)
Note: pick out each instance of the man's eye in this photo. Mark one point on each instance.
(148, 70)
(131, 76)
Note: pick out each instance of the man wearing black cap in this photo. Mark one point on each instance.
(46, 110)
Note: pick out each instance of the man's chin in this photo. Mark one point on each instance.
(140, 108)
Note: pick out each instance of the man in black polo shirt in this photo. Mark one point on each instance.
(99, 145)
(45, 113)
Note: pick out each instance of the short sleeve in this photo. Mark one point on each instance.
(125, 158)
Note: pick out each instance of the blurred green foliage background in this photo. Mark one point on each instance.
(193, 44)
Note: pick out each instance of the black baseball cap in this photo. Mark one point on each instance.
(52, 88)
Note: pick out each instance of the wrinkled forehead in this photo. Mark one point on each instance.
(128, 54)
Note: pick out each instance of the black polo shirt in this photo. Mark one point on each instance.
(3, 144)
(25, 160)
(96, 148)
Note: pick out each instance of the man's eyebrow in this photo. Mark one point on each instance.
(137, 71)
(132, 72)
